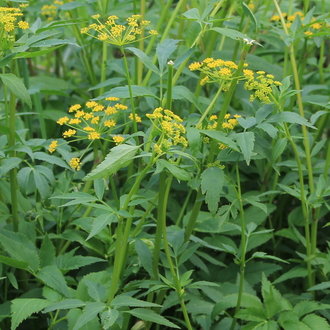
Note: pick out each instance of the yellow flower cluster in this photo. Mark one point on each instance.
(220, 71)
(215, 70)
(170, 127)
(92, 121)
(118, 34)
(312, 27)
(261, 83)
(50, 11)
(75, 163)
(11, 18)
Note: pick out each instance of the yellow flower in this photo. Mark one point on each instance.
(23, 25)
(75, 163)
(69, 133)
(52, 147)
(63, 120)
(91, 104)
(89, 129)
(308, 33)
(95, 120)
(93, 136)
(120, 106)
(110, 111)
(109, 123)
(118, 139)
(79, 114)
(135, 118)
(112, 98)
(74, 121)
(275, 18)
(74, 107)
(88, 116)
(316, 26)
(98, 107)
(153, 32)
(195, 66)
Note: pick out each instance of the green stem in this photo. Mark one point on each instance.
(129, 83)
(176, 281)
(210, 106)
(103, 65)
(243, 247)
(193, 216)
(123, 235)
(164, 188)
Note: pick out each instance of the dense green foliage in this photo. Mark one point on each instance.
(164, 164)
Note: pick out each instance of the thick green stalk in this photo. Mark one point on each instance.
(103, 65)
(299, 101)
(243, 247)
(303, 198)
(122, 235)
(164, 188)
(13, 172)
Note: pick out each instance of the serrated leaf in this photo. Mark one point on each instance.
(108, 318)
(230, 33)
(175, 170)
(316, 322)
(306, 307)
(13, 262)
(151, 316)
(211, 185)
(118, 157)
(292, 273)
(22, 308)
(64, 304)
(245, 141)
(128, 301)
(263, 255)
(100, 223)
(17, 87)
(53, 278)
(89, 313)
(221, 137)
(320, 286)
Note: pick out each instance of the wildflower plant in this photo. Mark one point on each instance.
(11, 20)
(94, 121)
(112, 32)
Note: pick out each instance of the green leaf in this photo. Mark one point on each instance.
(119, 157)
(245, 141)
(321, 286)
(128, 301)
(305, 307)
(221, 137)
(175, 170)
(289, 117)
(230, 33)
(145, 59)
(212, 183)
(90, 312)
(51, 159)
(151, 316)
(8, 164)
(47, 252)
(68, 261)
(273, 300)
(192, 14)
(17, 87)
(64, 304)
(108, 318)
(13, 262)
(53, 278)
(22, 308)
(123, 92)
(164, 51)
(316, 322)
(295, 272)
(144, 255)
(100, 223)
(249, 13)
(19, 247)
(263, 255)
